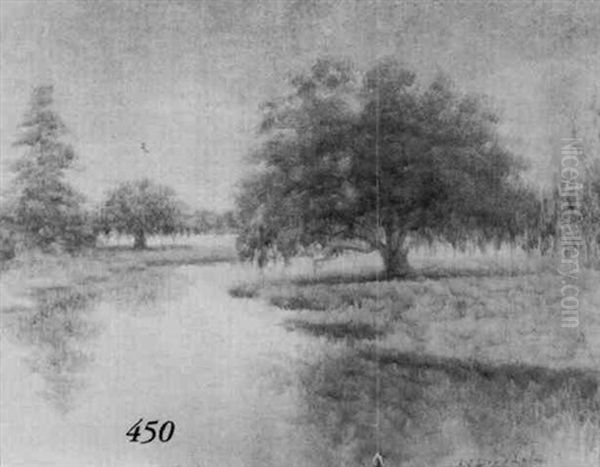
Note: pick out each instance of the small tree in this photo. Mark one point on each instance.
(141, 208)
(45, 209)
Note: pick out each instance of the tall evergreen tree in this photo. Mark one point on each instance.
(46, 210)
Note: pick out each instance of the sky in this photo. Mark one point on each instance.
(187, 77)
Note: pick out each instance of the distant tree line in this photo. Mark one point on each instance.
(42, 210)
(373, 159)
(203, 221)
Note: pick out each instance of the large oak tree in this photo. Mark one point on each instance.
(382, 161)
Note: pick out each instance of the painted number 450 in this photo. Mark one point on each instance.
(165, 431)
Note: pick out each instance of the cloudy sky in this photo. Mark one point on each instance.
(187, 77)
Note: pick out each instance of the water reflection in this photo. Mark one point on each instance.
(60, 324)
(56, 327)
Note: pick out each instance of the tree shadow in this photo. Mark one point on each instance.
(422, 410)
(584, 382)
(336, 331)
(418, 275)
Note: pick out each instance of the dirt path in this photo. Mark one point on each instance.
(217, 367)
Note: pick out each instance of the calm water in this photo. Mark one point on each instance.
(219, 368)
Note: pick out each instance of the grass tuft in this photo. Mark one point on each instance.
(244, 291)
(343, 330)
(299, 301)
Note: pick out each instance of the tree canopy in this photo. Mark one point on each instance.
(141, 208)
(381, 160)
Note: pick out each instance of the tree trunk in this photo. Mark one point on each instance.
(139, 242)
(395, 255)
(396, 263)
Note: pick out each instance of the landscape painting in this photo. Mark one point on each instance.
(302, 233)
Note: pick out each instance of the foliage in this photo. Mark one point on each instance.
(571, 209)
(590, 212)
(141, 208)
(204, 221)
(46, 210)
(382, 161)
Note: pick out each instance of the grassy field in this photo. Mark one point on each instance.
(466, 365)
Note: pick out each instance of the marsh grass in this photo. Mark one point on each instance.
(300, 301)
(500, 319)
(444, 412)
(336, 330)
(473, 365)
(244, 290)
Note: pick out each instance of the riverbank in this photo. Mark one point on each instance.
(289, 367)
(92, 344)
(464, 367)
